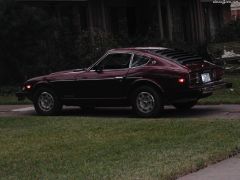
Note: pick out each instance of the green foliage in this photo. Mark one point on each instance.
(7, 90)
(89, 52)
(37, 41)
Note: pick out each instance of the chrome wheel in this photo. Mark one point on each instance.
(46, 101)
(145, 102)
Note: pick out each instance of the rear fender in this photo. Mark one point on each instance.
(145, 82)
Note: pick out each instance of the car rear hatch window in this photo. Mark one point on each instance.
(178, 56)
(201, 71)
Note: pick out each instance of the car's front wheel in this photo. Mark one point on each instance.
(146, 102)
(46, 102)
(185, 106)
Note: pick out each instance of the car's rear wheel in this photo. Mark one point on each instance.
(185, 106)
(146, 102)
(46, 102)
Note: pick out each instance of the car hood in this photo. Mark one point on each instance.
(57, 75)
(67, 72)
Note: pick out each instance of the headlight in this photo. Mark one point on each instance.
(27, 87)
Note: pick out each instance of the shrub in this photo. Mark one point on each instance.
(36, 41)
(33, 43)
(7, 90)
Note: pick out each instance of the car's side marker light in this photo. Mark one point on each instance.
(181, 81)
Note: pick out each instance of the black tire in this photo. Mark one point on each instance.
(185, 106)
(151, 107)
(48, 107)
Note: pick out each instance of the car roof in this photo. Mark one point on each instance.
(166, 53)
(141, 49)
(147, 51)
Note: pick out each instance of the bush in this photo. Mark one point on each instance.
(8, 90)
(34, 42)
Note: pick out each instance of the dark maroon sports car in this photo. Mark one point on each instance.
(144, 78)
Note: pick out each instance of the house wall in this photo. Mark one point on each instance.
(215, 17)
(235, 10)
(235, 14)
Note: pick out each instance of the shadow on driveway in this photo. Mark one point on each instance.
(204, 111)
(200, 111)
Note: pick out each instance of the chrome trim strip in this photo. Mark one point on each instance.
(107, 70)
(118, 78)
(95, 98)
(134, 77)
(100, 79)
(63, 81)
(114, 78)
(108, 53)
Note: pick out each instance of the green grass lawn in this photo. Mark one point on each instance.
(12, 100)
(112, 148)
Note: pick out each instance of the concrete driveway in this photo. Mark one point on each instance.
(204, 111)
(225, 170)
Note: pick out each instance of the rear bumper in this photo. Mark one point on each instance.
(211, 87)
(195, 93)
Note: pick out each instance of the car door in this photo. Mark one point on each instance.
(105, 80)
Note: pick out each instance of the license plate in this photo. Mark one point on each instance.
(206, 78)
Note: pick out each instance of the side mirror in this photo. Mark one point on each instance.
(99, 69)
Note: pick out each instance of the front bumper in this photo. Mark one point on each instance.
(21, 95)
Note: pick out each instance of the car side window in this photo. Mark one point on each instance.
(115, 61)
(139, 60)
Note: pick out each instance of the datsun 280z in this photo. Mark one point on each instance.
(144, 78)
